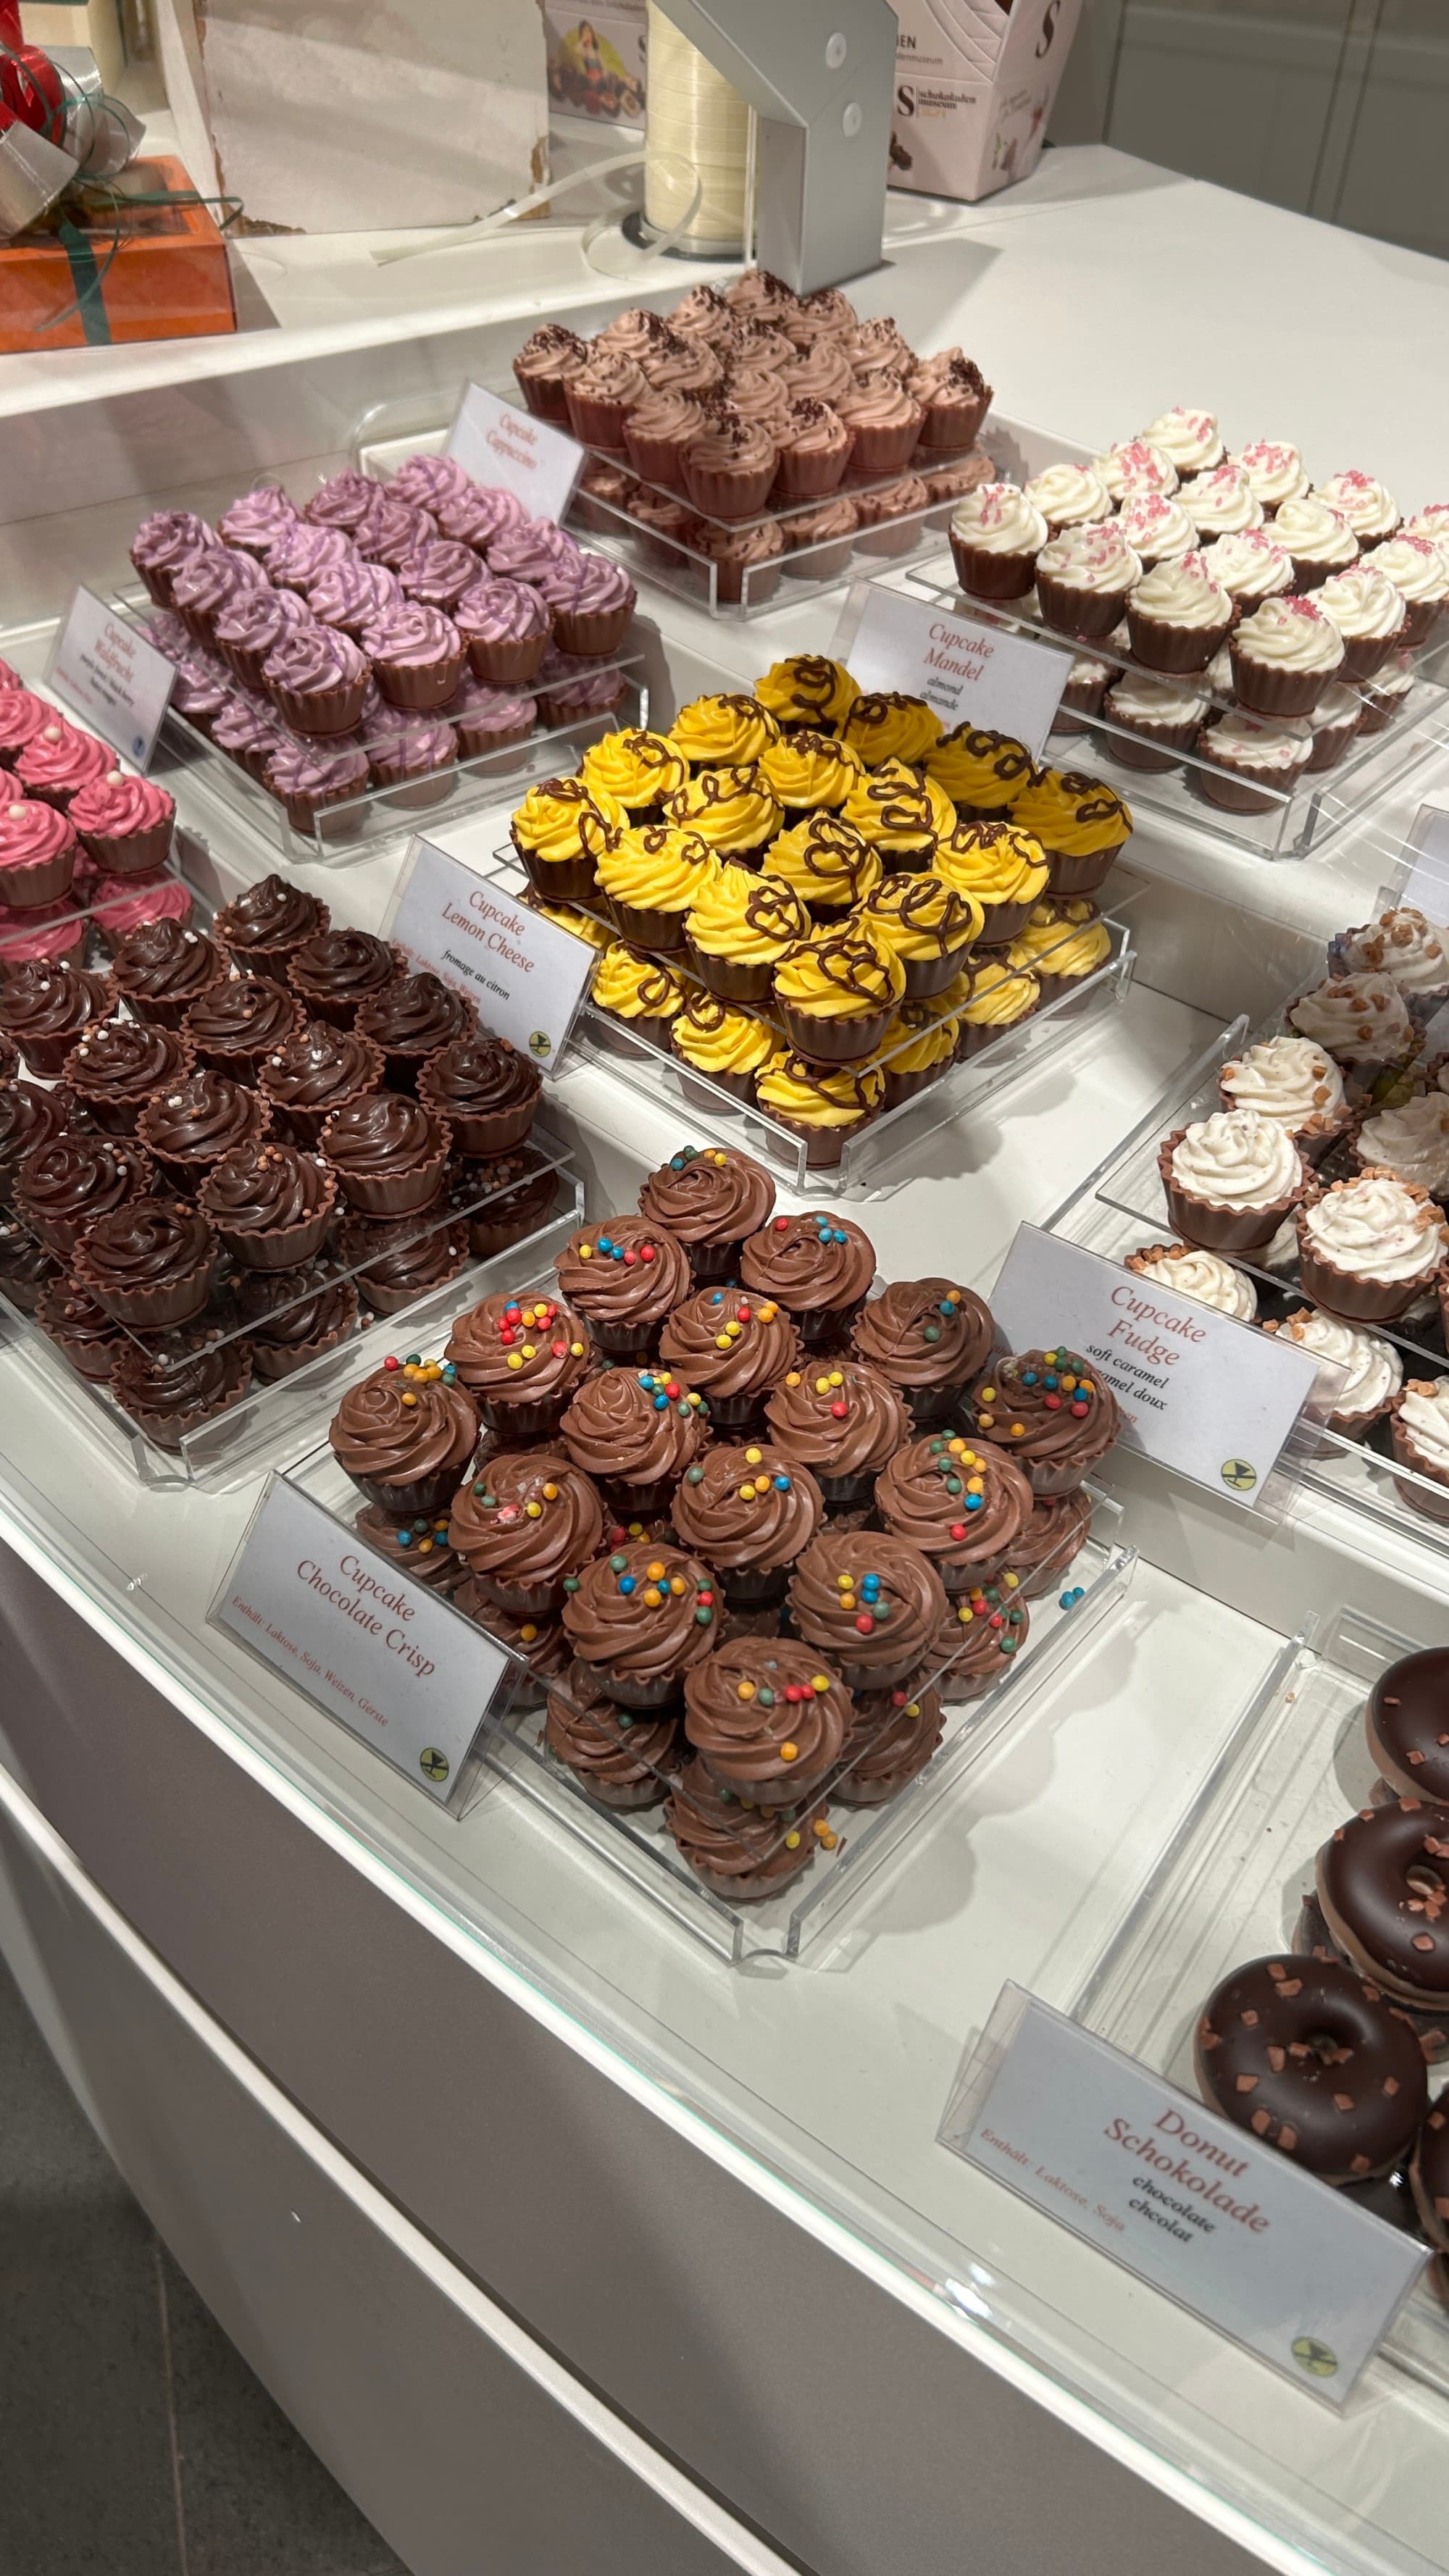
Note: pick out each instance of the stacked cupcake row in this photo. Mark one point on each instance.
(715, 1494)
(75, 828)
(380, 631)
(1218, 577)
(211, 1151)
(1327, 1169)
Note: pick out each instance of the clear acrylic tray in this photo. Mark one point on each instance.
(637, 1846)
(1120, 1208)
(1228, 1885)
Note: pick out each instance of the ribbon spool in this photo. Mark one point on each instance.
(694, 121)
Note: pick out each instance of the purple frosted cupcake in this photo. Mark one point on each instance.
(255, 520)
(480, 515)
(250, 732)
(414, 759)
(351, 594)
(392, 530)
(308, 777)
(416, 655)
(592, 602)
(317, 678)
(438, 572)
(426, 481)
(163, 543)
(570, 689)
(252, 625)
(527, 552)
(207, 582)
(505, 626)
(302, 553)
(343, 500)
(202, 687)
(489, 720)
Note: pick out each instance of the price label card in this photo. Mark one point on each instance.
(525, 974)
(389, 1660)
(108, 672)
(979, 675)
(497, 443)
(1200, 2209)
(1199, 1391)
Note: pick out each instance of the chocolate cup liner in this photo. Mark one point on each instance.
(161, 1011)
(928, 1405)
(1073, 611)
(1365, 654)
(592, 632)
(90, 1359)
(810, 474)
(729, 978)
(1149, 746)
(657, 460)
(523, 1600)
(432, 787)
(152, 1310)
(626, 1798)
(825, 563)
(986, 574)
(927, 976)
(740, 1086)
(1235, 791)
(247, 662)
(285, 1247)
(477, 742)
(243, 1064)
(756, 1884)
(834, 1041)
(482, 1133)
(1219, 1229)
(767, 1795)
(1355, 1301)
(818, 1326)
(396, 1193)
(501, 660)
(633, 1690)
(113, 1117)
(632, 1337)
(36, 881)
(1161, 646)
(645, 928)
(302, 811)
(558, 880)
(952, 428)
(517, 1424)
(871, 1677)
(1269, 689)
(544, 396)
(392, 1301)
(904, 1086)
(844, 1493)
(490, 1234)
(595, 423)
(129, 854)
(304, 1126)
(638, 1503)
(427, 1494)
(420, 687)
(752, 1587)
(270, 964)
(709, 1263)
(322, 712)
(1429, 1506)
(46, 1056)
(729, 496)
(1081, 871)
(824, 1146)
(976, 1034)
(878, 452)
(168, 1430)
(961, 1579)
(199, 625)
(157, 582)
(1003, 923)
(274, 1361)
(851, 1792)
(1421, 616)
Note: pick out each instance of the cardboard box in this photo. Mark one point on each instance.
(156, 273)
(975, 81)
(596, 66)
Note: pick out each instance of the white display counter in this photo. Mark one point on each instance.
(554, 2234)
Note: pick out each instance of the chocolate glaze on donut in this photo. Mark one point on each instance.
(1383, 1884)
(1429, 2178)
(1407, 1724)
(1313, 1940)
(1308, 2057)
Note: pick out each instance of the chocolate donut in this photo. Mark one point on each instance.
(1429, 2178)
(1308, 2057)
(1311, 1938)
(1383, 1884)
(1406, 1723)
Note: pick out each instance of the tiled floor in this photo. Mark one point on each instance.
(134, 2440)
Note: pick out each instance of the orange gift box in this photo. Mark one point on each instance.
(118, 271)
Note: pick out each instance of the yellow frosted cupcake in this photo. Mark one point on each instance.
(1081, 824)
(651, 878)
(638, 769)
(809, 773)
(1005, 869)
(582, 925)
(1002, 996)
(741, 925)
(831, 866)
(982, 772)
(837, 992)
(918, 1046)
(561, 831)
(825, 1105)
(894, 810)
(639, 991)
(724, 731)
(728, 1045)
(734, 809)
(1063, 943)
(887, 726)
(809, 691)
(929, 923)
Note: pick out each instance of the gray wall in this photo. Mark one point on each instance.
(1336, 108)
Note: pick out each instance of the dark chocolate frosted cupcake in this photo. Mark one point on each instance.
(766, 1719)
(46, 1004)
(636, 1432)
(712, 1198)
(1051, 1412)
(266, 925)
(29, 1118)
(642, 1619)
(398, 1259)
(405, 1436)
(411, 1019)
(317, 1070)
(928, 1337)
(734, 1348)
(119, 1065)
(87, 1336)
(149, 1264)
(844, 1420)
(270, 1205)
(965, 1507)
(388, 1153)
(236, 1026)
(295, 1316)
(503, 1199)
(521, 1357)
(26, 1268)
(748, 1511)
(160, 969)
(172, 1389)
(528, 1520)
(624, 1276)
(869, 1601)
(335, 971)
(80, 1175)
(818, 1266)
(485, 1090)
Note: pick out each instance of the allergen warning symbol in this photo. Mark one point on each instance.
(1239, 1474)
(540, 1043)
(1318, 2359)
(433, 1764)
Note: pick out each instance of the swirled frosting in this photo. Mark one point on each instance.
(1069, 495)
(528, 1519)
(1204, 1275)
(1094, 556)
(751, 1506)
(1290, 1080)
(1222, 502)
(965, 1504)
(1376, 1228)
(1362, 601)
(115, 806)
(265, 1188)
(1156, 525)
(1362, 500)
(760, 1710)
(1274, 470)
(1182, 592)
(1191, 438)
(1313, 531)
(1290, 634)
(831, 1580)
(1423, 1416)
(1358, 1018)
(1237, 1158)
(650, 1631)
(810, 1261)
(1412, 1142)
(841, 1416)
(708, 1196)
(1133, 466)
(1000, 519)
(1250, 564)
(625, 1270)
(349, 594)
(1418, 567)
(923, 1333)
(399, 1429)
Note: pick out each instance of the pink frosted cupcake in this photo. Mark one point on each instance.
(416, 655)
(414, 759)
(438, 572)
(480, 515)
(59, 760)
(250, 731)
(254, 520)
(37, 853)
(505, 626)
(302, 553)
(50, 931)
(427, 480)
(351, 594)
(252, 625)
(343, 500)
(528, 548)
(22, 717)
(120, 905)
(163, 543)
(317, 680)
(592, 601)
(125, 824)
